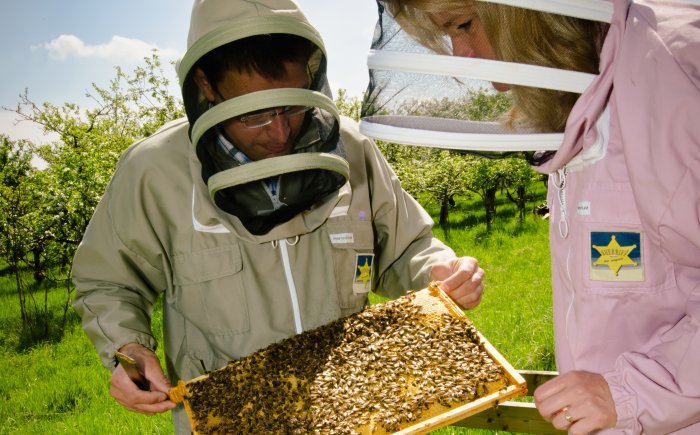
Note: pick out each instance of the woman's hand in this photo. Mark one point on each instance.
(579, 402)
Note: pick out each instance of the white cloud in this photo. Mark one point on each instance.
(14, 129)
(118, 49)
(12, 126)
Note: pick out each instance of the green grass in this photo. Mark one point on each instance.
(515, 312)
(59, 386)
(62, 388)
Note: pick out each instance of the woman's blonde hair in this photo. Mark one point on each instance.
(517, 35)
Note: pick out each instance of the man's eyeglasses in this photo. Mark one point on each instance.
(259, 120)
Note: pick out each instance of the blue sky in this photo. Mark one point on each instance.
(57, 48)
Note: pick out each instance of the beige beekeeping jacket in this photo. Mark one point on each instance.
(227, 293)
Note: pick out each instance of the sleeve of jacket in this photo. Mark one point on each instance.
(115, 286)
(658, 391)
(405, 246)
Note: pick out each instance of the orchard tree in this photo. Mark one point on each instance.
(443, 174)
(485, 178)
(348, 106)
(486, 105)
(79, 164)
(518, 178)
(22, 229)
(439, 181)
(15, 202)
(476, 105)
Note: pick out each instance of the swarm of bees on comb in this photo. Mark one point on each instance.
(375, 372)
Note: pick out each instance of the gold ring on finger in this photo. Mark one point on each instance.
(567, 416)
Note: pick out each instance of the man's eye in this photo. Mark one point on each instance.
(257, 112)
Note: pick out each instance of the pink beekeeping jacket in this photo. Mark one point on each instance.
(625, 221)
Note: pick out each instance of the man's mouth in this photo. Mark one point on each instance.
(277, 149)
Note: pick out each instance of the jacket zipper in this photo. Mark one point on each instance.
(290, 281)
(589, 156)
(559, 182)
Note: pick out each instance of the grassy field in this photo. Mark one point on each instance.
(59, 386)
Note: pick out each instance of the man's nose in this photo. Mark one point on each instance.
(279, 128)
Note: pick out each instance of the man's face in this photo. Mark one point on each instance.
(273, 139)
(468, 36)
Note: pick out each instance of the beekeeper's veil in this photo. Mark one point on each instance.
(418, 97)
(315, 168)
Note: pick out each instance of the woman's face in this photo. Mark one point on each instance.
(468, 37)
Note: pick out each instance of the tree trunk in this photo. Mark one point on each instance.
(490, 207)
(444, 211)
(38, 265)
(522, 202)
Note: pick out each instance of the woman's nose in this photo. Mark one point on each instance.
(462, 47)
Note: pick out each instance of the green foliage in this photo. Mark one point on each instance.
(436, 175)
(347, 106)
(22, 229)
(484, 179)
(487, 105)
(439, 175)
(80, 164)
(15, 199)
(518, 180)
(475, 105)
(44, 213)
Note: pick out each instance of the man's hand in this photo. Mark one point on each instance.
(462, 280)
(128, 394)
(579, 402)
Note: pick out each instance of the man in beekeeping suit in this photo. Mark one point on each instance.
(261, 215)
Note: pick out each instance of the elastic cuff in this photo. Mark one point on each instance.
(625, 404)
(146, 341)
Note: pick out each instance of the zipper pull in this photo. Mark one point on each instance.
(559, 181)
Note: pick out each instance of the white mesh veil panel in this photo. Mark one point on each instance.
(417, 97)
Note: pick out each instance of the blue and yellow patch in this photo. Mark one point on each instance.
(616, 256)
(364, 269)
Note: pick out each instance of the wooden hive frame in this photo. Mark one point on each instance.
(433, 305)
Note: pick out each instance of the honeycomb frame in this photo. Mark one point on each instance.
(352, 376)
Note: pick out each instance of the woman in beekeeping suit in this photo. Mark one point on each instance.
(261, 215)
(610, 92)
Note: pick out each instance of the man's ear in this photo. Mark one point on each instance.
(205, 87)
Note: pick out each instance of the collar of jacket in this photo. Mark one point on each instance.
(580, 131)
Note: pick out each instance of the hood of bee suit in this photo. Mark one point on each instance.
(419, 97)
(316, 166)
